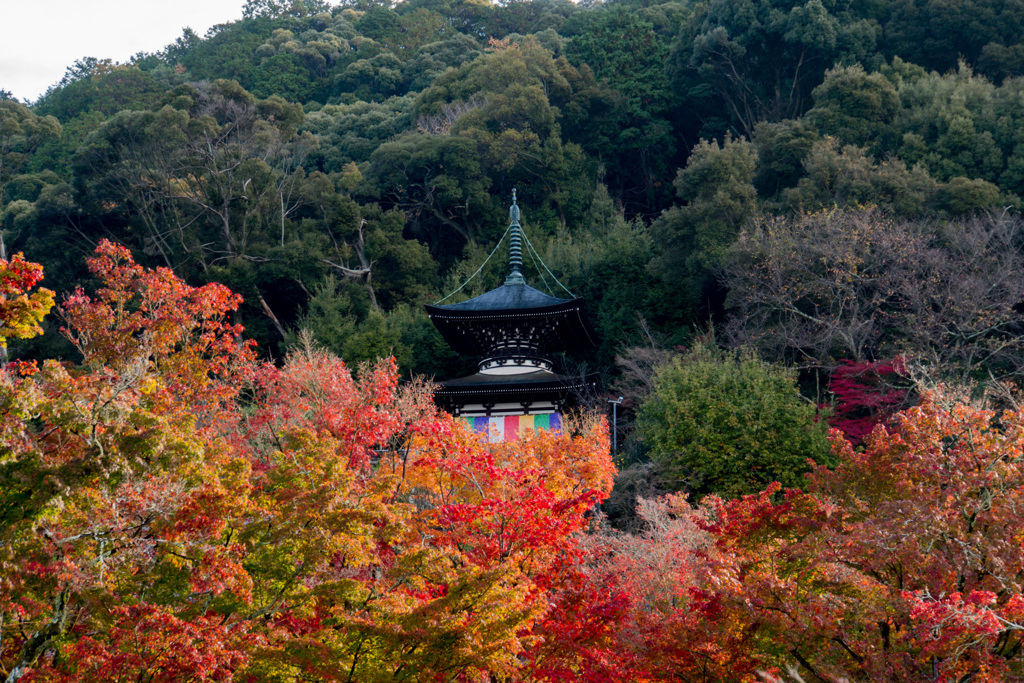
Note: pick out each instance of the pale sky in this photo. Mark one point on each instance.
(39, 39)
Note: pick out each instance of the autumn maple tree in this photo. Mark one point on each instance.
(866, 394)
(174, 511)
(903, 562)
(929, 518)
(21, 308)
(113, 473)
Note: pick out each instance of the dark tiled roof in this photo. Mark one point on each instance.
(506, 297)
(486, 379)
(539, 382)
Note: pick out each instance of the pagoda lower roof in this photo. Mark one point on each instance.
(512, 386)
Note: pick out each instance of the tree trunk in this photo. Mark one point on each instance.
(273, 318)
(42, 639)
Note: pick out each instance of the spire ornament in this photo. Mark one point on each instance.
(515, 245)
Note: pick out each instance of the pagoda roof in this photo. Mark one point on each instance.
(547, 324)
(530, 384)
(508, 297)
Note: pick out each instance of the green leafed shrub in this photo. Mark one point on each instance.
(726, 422)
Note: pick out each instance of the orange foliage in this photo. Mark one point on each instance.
(20, 310)
(171, 510)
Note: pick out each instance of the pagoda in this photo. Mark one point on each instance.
(514, 329)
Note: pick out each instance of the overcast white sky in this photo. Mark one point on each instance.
(41, 38)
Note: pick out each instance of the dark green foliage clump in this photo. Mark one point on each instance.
(728, 423)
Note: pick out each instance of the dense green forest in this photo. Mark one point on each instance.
(340, 165)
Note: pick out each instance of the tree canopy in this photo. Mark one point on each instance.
(353, 160)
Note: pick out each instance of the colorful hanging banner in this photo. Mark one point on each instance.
(526, 424)
(511, 423)
(513, 427)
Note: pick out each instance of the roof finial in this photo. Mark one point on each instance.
(515, 245)
(513, 211)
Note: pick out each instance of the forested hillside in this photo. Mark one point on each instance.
(338, 166)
